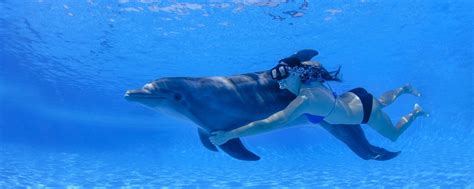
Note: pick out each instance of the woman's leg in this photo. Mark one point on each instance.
(381, 122)
(390, 96)
(406, 120)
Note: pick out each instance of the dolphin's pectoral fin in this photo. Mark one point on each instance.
(305, 55)
(204, 136)
(237, 150)
(353, 136)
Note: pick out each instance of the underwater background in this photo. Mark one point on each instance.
(66, 64)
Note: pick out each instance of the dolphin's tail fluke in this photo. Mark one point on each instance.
(236, 149)
(382, 154)
(353, 136)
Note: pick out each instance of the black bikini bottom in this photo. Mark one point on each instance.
(366, 99)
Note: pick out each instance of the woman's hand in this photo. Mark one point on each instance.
(220, 137)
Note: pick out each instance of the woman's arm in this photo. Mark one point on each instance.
(278, 120)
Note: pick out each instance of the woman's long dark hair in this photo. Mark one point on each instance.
(311, 71)
(319, 73)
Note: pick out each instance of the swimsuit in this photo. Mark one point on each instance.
(365, 98)
(314, 118)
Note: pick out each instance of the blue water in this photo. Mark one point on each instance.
(65, 65)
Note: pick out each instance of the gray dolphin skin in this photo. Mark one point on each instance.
(226, 103)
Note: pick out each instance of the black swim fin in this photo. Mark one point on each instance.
(305, 55)
(204, 136)
(237, 150)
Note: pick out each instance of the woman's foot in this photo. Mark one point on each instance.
(410, 89)
(419, 111)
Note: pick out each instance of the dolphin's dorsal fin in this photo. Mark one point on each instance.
(237, 150)
(204, 136)
(305, 54)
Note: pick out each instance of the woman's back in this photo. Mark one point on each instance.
(345, 108)
(320, 99)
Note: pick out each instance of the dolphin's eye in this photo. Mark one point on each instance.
(178, 97)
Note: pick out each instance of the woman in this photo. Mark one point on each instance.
(318, 102)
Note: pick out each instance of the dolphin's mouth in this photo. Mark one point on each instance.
(140, 94)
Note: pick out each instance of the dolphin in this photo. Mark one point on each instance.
(228, 102)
